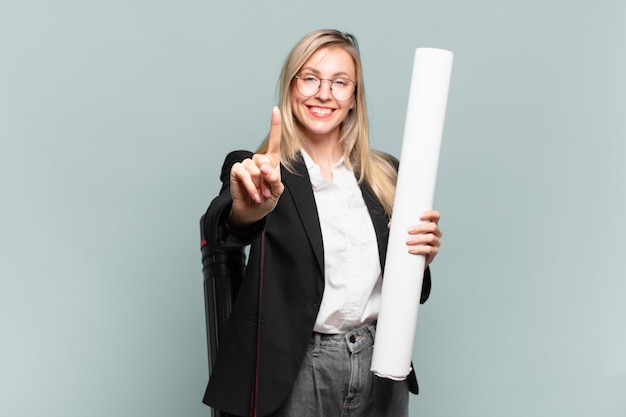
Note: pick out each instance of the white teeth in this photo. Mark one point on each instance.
(321, 111)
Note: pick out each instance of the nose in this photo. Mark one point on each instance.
(325, 91)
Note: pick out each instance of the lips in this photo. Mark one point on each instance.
(320, 111)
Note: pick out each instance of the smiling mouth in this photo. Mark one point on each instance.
(321, 111)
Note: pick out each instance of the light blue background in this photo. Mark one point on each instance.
(114, 119)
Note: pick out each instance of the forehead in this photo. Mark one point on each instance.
(331, 61)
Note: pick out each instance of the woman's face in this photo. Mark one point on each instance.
(321, 114)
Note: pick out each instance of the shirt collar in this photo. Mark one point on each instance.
(317, 181)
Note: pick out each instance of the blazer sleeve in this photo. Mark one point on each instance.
(426, 286)
(215, 227)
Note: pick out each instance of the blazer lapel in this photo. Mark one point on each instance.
(380, 221)
(301, 192)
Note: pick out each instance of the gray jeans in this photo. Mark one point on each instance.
(335, 381)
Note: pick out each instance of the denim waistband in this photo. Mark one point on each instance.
(354, 340)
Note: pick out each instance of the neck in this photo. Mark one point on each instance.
(325, 155)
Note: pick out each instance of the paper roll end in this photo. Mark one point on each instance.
(387, 376)
(428, 50)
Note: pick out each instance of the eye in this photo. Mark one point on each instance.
(309, 78)
(341, 82)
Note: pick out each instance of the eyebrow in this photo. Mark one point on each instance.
(316, 72)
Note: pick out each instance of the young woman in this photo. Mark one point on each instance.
(314, 203)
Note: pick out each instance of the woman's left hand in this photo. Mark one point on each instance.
(425, 238)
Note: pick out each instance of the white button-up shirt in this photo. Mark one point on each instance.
(352, 272)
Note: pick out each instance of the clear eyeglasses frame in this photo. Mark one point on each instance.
(342, 88)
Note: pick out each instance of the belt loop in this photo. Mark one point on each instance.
(317, 338)
(372, 330)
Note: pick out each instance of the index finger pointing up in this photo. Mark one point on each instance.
(273, 143)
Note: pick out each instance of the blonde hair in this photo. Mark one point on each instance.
(374, 168)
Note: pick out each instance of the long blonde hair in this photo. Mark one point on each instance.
(372, 167)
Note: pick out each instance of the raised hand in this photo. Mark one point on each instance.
(255, 183)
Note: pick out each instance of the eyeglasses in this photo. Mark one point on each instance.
(342, 89)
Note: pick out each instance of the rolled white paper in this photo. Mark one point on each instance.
(415, 191)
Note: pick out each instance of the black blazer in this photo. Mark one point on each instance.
(292, 292)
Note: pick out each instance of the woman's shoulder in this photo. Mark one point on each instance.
(238, 155)
(231, 159)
